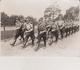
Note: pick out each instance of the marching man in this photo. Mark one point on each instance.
(41, 32)
(19, 31)
(29, 32)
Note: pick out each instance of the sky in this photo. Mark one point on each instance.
(33, 8)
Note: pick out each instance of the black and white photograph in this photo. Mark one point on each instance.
(40, 28)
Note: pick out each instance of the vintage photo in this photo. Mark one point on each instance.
(40, 28)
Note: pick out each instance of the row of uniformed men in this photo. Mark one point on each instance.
(26, 29)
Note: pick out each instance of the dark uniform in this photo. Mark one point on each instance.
(19, 31)
(60, 24)
(53, 32)
(41, 33)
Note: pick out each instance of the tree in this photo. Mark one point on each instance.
(76, 12)
(52, 12)
(12, 20)
(4, 19)
(60, 16)
(72, 13)
(9, 20)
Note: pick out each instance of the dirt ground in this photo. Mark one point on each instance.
(67, 47)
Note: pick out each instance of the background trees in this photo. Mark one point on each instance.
(52, 12)
(8, 20)
(4, 19)
(72, 13)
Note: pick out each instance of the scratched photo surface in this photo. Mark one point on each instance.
(40, 28)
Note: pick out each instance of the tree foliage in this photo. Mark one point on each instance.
(72, 13)
(10, 20)
(52, 12)
(4, 19)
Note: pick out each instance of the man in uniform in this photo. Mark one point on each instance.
(29, 32)
(41, 32)
(60, 24)
(53, 32)
(19, 31)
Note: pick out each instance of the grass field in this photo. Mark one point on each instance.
(7, 34)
